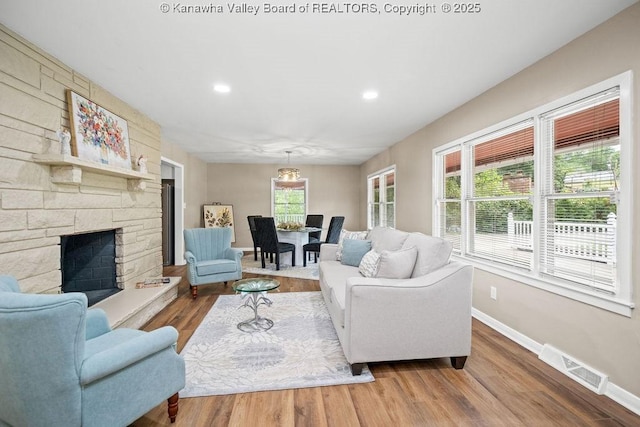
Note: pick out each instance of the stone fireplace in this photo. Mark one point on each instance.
(47, 195)
(88, 263)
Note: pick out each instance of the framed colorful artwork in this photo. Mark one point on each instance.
(97, 134)
(219, 216)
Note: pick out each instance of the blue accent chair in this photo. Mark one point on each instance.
(62, 365)
(210, 257)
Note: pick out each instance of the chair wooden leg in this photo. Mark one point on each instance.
(277, 260)
(173, 407)
(255, 253)
(304, 258)
(194, 292)
(293, 258)
(262, 258)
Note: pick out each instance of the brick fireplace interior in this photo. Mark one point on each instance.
(88, 264)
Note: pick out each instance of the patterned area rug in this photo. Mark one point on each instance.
(251, 266)
(300, 350)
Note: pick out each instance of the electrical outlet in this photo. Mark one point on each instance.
(494, 293)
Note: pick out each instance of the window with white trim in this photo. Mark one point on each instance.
(289, 200)
(381, 198)
(544, 197)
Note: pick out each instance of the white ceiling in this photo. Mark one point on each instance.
(297, 79)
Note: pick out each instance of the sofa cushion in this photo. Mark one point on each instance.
(345, 234)
(369, 264)
(204, 268)
(433, 253)
(334, 275)
(386, 239)
(397, 264)
(353, 250)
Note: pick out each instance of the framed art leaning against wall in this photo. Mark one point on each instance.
(97, 134)
(219, 216)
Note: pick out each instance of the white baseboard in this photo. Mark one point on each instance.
(613, 392)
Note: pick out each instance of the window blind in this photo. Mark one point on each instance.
(578, 209)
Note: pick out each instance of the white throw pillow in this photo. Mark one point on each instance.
(345, 234)
(369, 264)
(397, 264)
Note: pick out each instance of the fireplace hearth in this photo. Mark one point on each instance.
(88, 264)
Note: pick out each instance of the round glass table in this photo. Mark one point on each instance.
(254, 291)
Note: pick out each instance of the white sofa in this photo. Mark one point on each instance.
(427, 315)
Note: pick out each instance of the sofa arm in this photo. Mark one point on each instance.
(328, 251)
(423, 317)
(126, 353)
(234, 254)
(97, 323)
(190, 257)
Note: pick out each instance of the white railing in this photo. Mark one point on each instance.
(590, 241)
(290, 218)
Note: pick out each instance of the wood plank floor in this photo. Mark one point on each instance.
(502, 384)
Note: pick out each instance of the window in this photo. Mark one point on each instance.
(381, 199)
(289, 201)
(544, 197)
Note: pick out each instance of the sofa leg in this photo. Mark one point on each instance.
(356, 368)
(458, 361)
(173, 407)
(194, 291)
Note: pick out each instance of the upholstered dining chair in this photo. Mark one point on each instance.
(333, 235)
(254, 234)
(269, 244)
(62, 365)
(210, 257)
(314, 220)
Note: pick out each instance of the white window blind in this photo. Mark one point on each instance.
(578, 204)
(449, 194)
(499, 197)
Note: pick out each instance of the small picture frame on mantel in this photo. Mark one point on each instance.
(221, 216)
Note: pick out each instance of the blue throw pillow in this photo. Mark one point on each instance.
(353, 250)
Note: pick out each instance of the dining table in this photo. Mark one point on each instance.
(299, 237)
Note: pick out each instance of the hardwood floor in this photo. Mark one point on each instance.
(502, 384)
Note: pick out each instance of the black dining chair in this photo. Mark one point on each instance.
(268, 241)
(254, 235)
(314, 220)
(333, 235)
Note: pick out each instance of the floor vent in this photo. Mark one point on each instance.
(575, 369)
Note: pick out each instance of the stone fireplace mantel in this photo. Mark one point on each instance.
(66, 169)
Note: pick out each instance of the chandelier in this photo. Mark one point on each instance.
(288, 174)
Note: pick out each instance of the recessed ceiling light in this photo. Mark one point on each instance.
(369, 95)
(222, 88)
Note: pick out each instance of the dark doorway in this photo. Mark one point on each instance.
(168, 222)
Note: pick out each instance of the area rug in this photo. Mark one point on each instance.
(300, 350)
(286, 270)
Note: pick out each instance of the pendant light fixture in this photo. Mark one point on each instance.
(288, 174)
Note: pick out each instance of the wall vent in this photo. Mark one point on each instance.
(575, 369)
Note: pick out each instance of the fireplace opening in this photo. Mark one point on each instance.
(89, 264)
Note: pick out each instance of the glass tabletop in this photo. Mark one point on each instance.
(255, 284)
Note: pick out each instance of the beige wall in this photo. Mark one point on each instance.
(34, 210)
(333, 190)
(606, 341)
(195, 179)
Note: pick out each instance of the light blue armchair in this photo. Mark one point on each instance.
(210, 257)
(62, 365)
